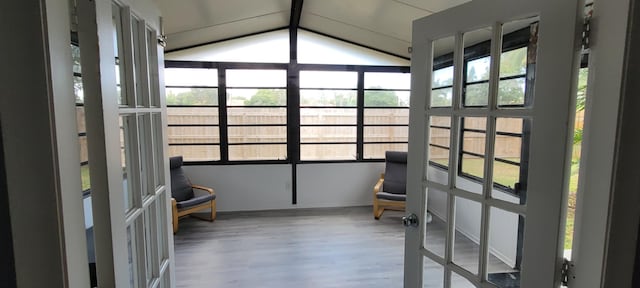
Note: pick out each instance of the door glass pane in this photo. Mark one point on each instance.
(517, 63)
(146, 154)
(442, 77)
(163, 243)
(458, 281)
(127, 126)
(436, 230)
(157, 129)
(132, 257)
(439, 142)
(505, 248)
(472, 156)
(509, 165)
(476, 74)
(432, 274)
(152, 62)
(466, 245)
(139, 60)
(119, 54)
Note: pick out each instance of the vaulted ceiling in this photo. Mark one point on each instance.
(383, 25)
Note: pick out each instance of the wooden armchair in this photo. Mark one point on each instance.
(184, 200)
(390, 192)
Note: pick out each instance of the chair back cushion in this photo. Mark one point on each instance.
(181, 188)
(395, 173)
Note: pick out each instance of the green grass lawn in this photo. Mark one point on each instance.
(84, 174)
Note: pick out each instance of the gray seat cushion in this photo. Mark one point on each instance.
(391, 196)
(181, 188)
(395, 173)
(195, 201)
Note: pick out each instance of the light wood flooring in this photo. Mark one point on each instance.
(335, 247)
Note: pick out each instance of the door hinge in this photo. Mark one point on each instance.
(566, 272)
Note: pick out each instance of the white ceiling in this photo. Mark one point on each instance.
(384, 25)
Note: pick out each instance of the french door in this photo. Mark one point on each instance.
(491, 102)
(121, 63)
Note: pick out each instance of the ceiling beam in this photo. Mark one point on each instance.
(294, 23)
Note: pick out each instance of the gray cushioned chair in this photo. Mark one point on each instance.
(184, 201)
(391, 190)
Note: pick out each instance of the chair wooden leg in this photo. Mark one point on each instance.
(174, 213)
(378, 213)
(213, 210)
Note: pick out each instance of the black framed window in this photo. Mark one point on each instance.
(256, 101)
(192, 113)
(386, 113)
(328, 115)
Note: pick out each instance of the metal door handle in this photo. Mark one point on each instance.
(410, 221)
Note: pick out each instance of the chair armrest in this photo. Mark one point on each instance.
(378, 186)
(210, 190)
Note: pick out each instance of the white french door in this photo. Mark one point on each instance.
(121, 63)
(491, 99)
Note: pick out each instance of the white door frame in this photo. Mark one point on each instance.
(596, 187)
(40, 139)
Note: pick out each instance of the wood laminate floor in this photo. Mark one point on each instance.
(336, 247)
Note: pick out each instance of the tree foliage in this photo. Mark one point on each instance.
(193, 96)
(268, 97)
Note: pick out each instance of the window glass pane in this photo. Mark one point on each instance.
(254, 115)
(509, 125)
(442, 77)
(513, 62)
(84, 149)
(327, 134)
(193, 135)
(377, 151)
(327, 152)
(441, 97)
(476, 94)
(328, 79)
(192, 96)
(511, 92)
(256, 78)
(191, 77)
(474, 166)
(329, 98)
(508, 148)
(342, 116)
(439, 156)
(387, 80)
(386, 134)
(258, 152)
(258, 134)
(478, 70)
(196, 152)
(192, 115)
(385, 98)
(386, 116)
(473, 142)
(256, 97)
(506, 174)
(440, 137)
(476, 123)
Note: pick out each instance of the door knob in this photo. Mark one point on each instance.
(410, 221)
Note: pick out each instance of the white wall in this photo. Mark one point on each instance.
(267, 187)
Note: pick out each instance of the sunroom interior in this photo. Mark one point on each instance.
(289, 106)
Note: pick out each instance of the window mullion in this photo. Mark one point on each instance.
(222, 111)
